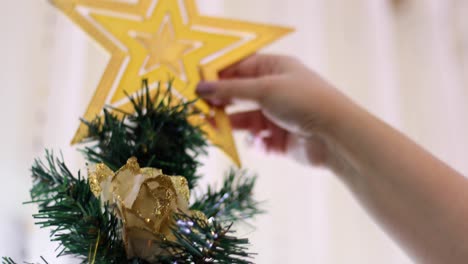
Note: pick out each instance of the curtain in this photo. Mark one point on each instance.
(405, 61)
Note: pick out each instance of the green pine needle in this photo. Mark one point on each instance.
(76, 217)
(202, 241)
(6, 260)
(233, 202)
(157, 134)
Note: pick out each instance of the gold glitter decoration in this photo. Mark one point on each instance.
(145, 199)
(95, 186)
(199, 215)
(181, 185)
(98, 175)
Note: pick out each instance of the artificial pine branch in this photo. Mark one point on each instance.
(158, 135)
(91, 232)
(204, 241)
(233, 202)
(6, 260)
(78, 220)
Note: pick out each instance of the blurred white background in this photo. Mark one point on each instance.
(406, 61)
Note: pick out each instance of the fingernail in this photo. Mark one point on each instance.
(205, 88)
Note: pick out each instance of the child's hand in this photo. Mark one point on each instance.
(296, 105)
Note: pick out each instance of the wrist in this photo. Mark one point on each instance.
(338, 110)
(337, 130)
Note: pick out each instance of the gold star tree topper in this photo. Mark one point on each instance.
(162, 40)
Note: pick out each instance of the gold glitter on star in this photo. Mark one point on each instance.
(162, 39)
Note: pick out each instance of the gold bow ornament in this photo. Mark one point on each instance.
(145, 200)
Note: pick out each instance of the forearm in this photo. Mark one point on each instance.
(421, 202)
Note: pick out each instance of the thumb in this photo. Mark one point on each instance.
(223, 91)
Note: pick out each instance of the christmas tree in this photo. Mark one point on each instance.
(142, 143)
(158, 135)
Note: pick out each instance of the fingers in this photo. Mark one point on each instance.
(249, 67)
(252, 121)
(254, 66)
(277, 140)
(222, 92)
(271, 137)
(245, 80)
